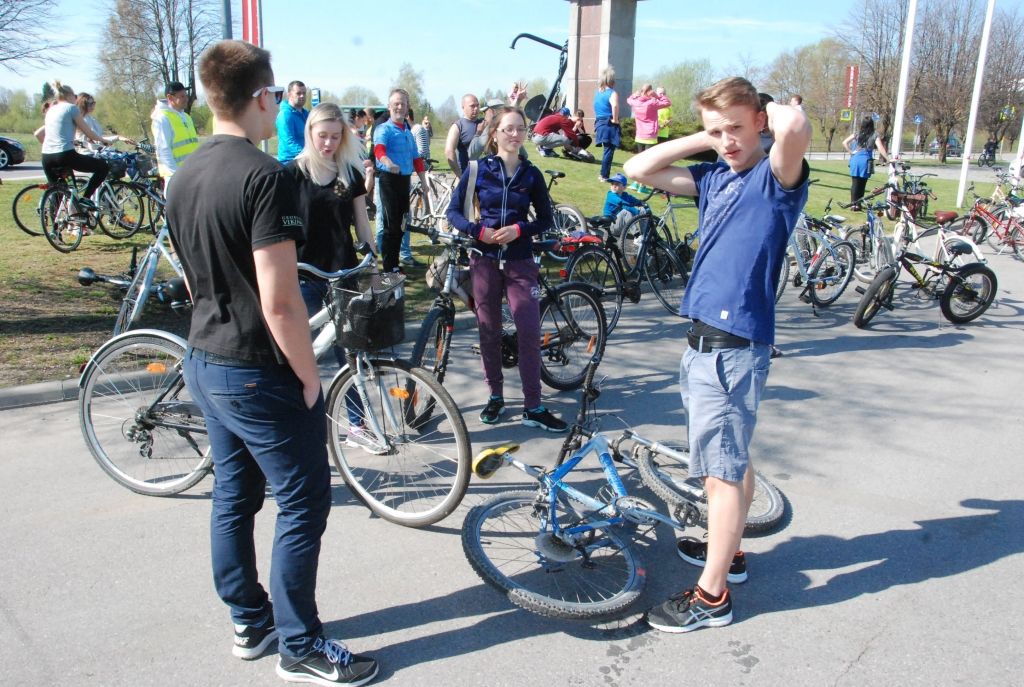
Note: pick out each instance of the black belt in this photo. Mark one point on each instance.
(217, 359)
(706, 344)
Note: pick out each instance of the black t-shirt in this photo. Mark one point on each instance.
(327, 215)
(230, 199)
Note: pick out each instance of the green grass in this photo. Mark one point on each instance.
(50, 324)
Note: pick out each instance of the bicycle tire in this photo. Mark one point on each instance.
(27, 202)
(135, 297)
(119, 413)
(573, 329)
(836, 269)
(976, 227)
(783, 277)
(630, 237)
(875, 295)
(55, 220)
(593, 265)
(435, 336)
(418, 209)
(666, 274)
(1016, 240)
(123, 207)
(500, 539)
(424, 474)
(565, 219)
(666, 476)
(963, 300)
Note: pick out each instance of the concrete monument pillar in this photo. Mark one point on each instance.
(601, 32)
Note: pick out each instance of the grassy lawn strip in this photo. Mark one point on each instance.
(50, 324)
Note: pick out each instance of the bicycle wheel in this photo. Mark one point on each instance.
(419, 472)
(783, 277)
(831, 274)
(122, 209)
(26, 208)
(135, 297)
(506, 541)
(976, 227)
(631, 237)
(138, 419)
(62, 229)
(666, 274)
(593, 265)
(969, 293)
(669, 478)
(434, 343)
(418, 209)
(876, 296)
(572, 330)
(565, 220)
(1016, 241)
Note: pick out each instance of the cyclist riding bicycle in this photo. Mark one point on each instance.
(63, 118)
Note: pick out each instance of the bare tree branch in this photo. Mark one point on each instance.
(24, 41)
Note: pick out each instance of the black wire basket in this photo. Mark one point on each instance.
(369, 313)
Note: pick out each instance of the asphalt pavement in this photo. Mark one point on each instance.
(898, 449)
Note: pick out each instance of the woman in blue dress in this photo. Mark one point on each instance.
(861, 146)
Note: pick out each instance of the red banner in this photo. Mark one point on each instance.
(852, 76)
(252, 22)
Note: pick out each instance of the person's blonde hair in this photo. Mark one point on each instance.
(729, 92)
(61, 91)
(347, 156)
(607, 78)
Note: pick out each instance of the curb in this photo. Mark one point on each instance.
(44, 393)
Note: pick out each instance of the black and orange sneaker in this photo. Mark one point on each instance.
(690, 610)
(695, 552)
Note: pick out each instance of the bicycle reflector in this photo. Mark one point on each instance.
(399, 393)
(156, 368)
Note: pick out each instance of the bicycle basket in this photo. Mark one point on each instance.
(370, 316)
(912, 201)
(118, 166)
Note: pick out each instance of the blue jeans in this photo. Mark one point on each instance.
(261, 431)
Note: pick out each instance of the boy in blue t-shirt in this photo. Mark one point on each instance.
(748, 204)
(619, 204)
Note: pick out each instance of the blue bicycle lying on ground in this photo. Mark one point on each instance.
(562, 553)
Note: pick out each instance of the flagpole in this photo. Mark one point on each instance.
(975, 99)
(901, 94)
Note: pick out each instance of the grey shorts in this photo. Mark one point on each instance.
(721, 390)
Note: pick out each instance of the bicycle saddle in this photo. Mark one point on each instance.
(601, 220)
(487, 462)
(944, 217)
(554, 174)
(958, 246)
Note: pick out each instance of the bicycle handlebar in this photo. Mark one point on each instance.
(367, 262)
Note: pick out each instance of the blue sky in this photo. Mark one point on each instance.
(463, 45)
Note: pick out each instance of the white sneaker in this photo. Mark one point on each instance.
(360, 437)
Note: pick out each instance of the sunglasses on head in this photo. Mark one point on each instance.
(276, 91)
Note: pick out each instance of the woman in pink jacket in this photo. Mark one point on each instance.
(645, 104)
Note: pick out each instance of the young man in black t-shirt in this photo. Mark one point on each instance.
(250, 366)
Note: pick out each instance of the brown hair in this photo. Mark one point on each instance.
(230, 72)
(499, 112)
(729, 92)
(84, 102)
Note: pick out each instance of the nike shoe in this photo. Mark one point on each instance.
(543, 418)
(251, 642)
(329, 664)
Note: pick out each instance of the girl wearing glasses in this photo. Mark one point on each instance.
(87, 105)
(507, 185)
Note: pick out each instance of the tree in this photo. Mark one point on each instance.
(946, 42)
(682, 82)
(874, 35)
(817, 72)
(25, 35)
(1003, 86)
(446, 114)
(412, 81)
(358, 95)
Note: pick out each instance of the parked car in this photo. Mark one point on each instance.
(11, 152)
(953, 147)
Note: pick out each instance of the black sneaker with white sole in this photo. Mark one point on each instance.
(542, 417)
(493, 410)
(329, 664)
(690, 610)
(251, 642)
(695, 552)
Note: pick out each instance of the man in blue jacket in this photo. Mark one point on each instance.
(291, 123)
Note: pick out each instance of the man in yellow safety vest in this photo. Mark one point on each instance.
(174, 134)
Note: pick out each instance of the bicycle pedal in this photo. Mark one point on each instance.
(859, 289)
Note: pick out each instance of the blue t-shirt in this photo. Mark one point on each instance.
(602, 104)
(291, 137)
(745, 220)
(399, 146)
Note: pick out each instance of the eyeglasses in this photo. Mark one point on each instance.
(276, 91)
(513, 130)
